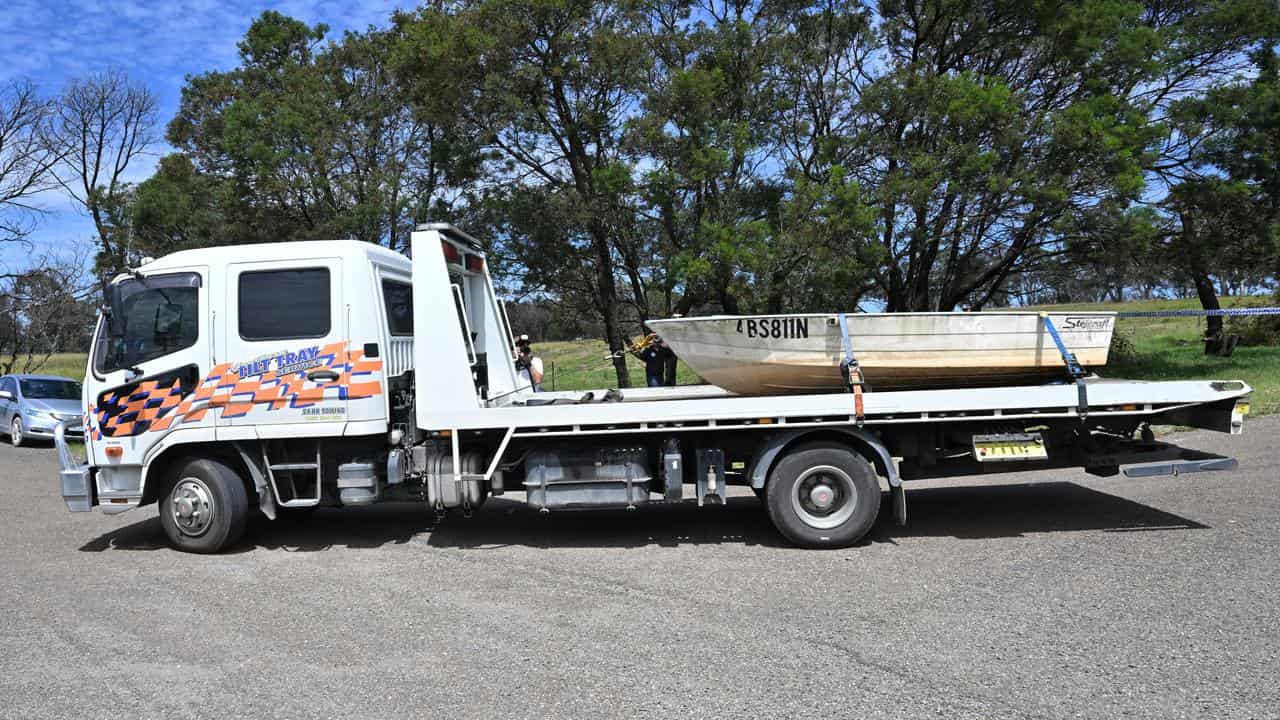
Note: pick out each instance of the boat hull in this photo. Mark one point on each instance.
(802, 353)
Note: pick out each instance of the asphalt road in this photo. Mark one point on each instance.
(1055, 595)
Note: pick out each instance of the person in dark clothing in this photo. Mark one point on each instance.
(655, 358)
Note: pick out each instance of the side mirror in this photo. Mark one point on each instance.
(168, 319)
(114, 310)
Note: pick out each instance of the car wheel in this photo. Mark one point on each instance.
(823, 495)
(206, 507)
(16, 435)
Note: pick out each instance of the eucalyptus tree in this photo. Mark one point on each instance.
(707, 131)
(309, 139)
(555, 83)
(1224, 209)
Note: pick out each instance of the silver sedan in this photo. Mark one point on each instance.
(31, 406)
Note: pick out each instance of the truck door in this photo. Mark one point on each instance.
(149, 357)
(286, 348)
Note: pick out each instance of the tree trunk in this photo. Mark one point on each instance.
(607, 292)
(1209, 301)
(1198, 269)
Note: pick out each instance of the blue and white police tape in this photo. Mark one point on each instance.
(1229, 312)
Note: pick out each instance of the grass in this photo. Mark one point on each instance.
(585, 365)
(70, 365)
(1165, 349)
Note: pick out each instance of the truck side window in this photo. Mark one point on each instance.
(398, 299)
(284, 304)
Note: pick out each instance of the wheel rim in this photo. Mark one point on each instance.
(824, 497)
(191, 505)
(15, 431)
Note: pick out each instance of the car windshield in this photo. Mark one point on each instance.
(42, 389)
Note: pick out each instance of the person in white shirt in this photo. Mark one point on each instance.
(528, 366)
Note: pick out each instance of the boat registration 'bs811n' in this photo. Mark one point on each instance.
(294, 375)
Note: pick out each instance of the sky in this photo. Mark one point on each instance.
(156, 43)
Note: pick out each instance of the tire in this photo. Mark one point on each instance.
(823, 496)
(16, 434)
(206, 506)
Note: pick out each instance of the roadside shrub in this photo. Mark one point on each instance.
(1122, 351)
(1256, 329)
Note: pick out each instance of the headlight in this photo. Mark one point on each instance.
(37, 414)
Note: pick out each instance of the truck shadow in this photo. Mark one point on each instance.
(1015, 510)
(740, 521)
(964, 512)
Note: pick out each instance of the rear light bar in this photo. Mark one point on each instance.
(451, 253)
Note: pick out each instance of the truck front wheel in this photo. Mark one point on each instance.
(823, 496)
(206, 507)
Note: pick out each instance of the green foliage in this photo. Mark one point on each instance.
(304, 140)
(632, 160)
(179, 208)
(1122, 350)
(1257, 329)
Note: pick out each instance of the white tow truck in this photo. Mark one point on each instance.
(293, 375)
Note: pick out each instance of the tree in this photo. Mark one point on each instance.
(179, 207)
(309, 141)
(43, 310)
(984, 133)
(1225, 207)
(710, 104)
(102, 124)
(25, 158)
(635, 159)
(555, 85)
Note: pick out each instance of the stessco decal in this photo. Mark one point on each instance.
(233, 389)
(1087, 324)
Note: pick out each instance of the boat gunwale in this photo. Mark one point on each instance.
(993, 313)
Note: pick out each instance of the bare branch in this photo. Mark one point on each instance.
(102, 124)
(25, 159)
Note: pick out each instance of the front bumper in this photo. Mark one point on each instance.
(46, 426)
(76, 478)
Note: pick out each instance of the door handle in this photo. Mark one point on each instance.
(323, 375)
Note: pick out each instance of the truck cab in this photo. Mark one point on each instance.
(257, 345)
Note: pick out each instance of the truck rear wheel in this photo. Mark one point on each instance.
(206, 507)
(823, 496)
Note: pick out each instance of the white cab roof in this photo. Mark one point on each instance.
(300, 250)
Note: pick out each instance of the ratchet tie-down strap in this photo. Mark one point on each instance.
(851, 372)
(1074, 370)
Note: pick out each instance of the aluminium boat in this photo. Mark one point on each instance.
(778, 354)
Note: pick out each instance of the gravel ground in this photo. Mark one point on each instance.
(1055, 595)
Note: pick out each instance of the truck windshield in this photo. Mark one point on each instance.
(44, 389)
(147, 319)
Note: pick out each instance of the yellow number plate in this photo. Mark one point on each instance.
(1003, 448)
